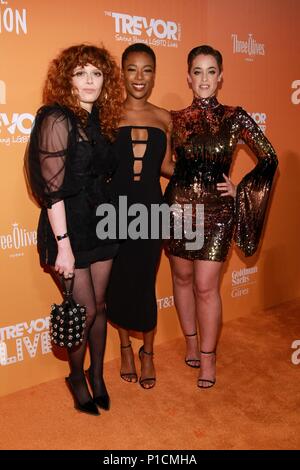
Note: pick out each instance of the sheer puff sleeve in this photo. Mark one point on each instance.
(254, 189)
(48, 157)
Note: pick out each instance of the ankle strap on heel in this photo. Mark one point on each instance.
(125, 347)
(142, 350)
(210, 352)
(148, 353)
(192, 334)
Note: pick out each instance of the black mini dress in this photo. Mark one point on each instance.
(70, 162)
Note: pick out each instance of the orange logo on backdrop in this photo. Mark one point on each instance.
(16, 240)
(151, 31)
(249, 47)
(241, 280)
(15, 127)
(12, 20)
(17, 342)
(296, 94)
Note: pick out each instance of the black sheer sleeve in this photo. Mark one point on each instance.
(254, 189)
(48, 157)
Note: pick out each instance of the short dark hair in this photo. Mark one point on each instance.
(138, 47)
(205, 50)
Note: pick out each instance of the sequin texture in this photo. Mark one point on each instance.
(205, 136)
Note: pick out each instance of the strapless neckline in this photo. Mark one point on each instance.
(143, 127)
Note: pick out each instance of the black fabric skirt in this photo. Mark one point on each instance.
(131, 299)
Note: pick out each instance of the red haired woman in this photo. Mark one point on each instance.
(68, 161)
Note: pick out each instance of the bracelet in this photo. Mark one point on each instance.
(61, 237)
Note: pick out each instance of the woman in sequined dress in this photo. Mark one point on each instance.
(205, 136)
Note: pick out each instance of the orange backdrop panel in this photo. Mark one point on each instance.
(261, 73)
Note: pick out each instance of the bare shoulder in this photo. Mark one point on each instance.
(162, 115)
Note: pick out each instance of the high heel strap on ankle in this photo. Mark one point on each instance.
(210, 382)
(146, 380)
(142, 350)
(130, 377)
(192, 362)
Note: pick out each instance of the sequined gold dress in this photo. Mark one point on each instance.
(205, 136)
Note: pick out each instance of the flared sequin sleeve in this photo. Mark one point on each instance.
(48, 157)
(254, 190)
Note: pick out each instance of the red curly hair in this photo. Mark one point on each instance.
(58, 87)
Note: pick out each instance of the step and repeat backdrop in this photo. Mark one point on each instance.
(260, 45)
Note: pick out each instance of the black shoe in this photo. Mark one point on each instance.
(88, 407)
(103, 401)
(192, 362)
(144, 382)
(128, 376)
(207, 383)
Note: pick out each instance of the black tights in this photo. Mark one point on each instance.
(89, 289)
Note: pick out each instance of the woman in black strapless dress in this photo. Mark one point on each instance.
(142, 146)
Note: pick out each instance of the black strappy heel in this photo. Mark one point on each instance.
(189, 361)
(130, 377)
(142, 381)
(210, 382)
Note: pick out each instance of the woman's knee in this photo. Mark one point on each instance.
(91, 313)
(205, 290)
(183, 278)
(100, 307)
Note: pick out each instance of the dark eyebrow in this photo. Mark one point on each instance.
(211, 67)
(81, 67)
(134, 65)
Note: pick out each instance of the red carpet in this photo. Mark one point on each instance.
(254, 404)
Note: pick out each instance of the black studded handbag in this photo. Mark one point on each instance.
(67, 321)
